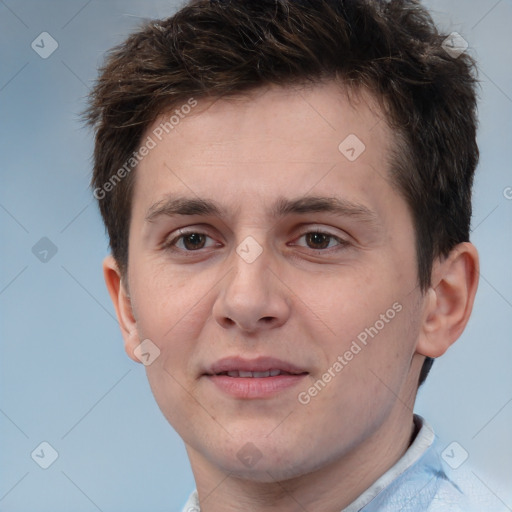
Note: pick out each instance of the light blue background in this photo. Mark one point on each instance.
(65, 378)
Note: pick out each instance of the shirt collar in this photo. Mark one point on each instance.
(422, 442)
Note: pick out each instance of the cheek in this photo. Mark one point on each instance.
(176, 399)
(172, 317)
(375, 331)
(352, 301)
(390, 349)
(164, 301)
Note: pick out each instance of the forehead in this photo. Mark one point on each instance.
(272, 139)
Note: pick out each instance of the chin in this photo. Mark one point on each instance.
(264, 459)
(266, 471)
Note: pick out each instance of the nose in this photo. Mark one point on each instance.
(252, 298)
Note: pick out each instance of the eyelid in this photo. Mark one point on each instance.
(324, 230)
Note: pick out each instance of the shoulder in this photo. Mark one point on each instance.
(430, 479)
(461, 490)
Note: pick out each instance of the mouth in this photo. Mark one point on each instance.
(263, 377)
(255, 375)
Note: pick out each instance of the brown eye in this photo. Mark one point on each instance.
(193, 241)
(321, 241)
(189, 242)
(318, 240)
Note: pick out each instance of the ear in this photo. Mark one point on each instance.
(449, 300)
(122, 304)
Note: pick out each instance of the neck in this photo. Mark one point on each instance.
(330, 488)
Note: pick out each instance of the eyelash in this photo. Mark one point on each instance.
(171, 244)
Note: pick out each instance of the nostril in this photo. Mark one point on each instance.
(228, 322)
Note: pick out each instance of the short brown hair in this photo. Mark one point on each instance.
(212, 49)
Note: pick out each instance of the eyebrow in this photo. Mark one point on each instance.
(180, 205)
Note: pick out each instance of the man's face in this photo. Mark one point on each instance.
(272, 281)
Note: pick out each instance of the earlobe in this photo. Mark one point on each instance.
(449, 301)
(122, 303)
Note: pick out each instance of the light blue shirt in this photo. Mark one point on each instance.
(423, 480)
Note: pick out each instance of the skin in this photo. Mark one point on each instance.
(296, 301)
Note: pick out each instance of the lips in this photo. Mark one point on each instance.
(264, 377)
(256, 375)
(256, 368)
